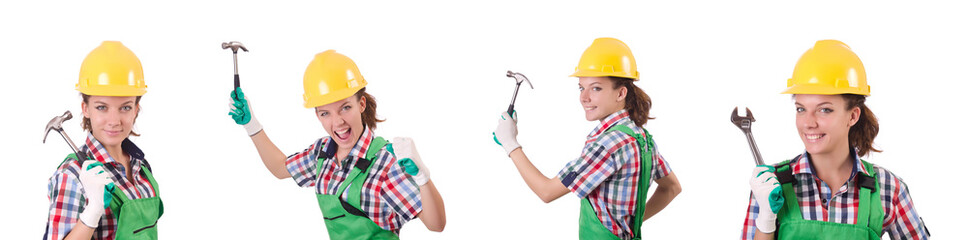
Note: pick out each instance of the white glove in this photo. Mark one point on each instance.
(252, 126)
(763, 182)
(506, 133)
(93, 180)
(404, 148)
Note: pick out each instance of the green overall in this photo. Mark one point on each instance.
(870, 215)
(344, 219)
(589, 226)
(137, 218)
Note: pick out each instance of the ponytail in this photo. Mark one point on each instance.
(369, 111)
(861, 135)
(637, 102)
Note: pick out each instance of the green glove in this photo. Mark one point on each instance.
(241, 112)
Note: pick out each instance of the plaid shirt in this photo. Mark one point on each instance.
(66, 194)
(607, 173)
(389, 197)
(819, 203)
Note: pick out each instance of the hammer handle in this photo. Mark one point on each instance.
(236, 81)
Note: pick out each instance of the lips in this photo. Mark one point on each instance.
(342, 135)
(590, 108)
(112, 133)
(814, 137)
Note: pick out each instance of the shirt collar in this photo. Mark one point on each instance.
(620, 117)
(94, 149)
(803, 165)
(358, 151)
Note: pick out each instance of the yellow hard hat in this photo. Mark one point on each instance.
(829, 68)
(607, 57)
(331, 77)
(111, 70)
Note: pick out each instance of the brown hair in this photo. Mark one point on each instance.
(861, 135)
(637, 102)
(86, 122)
(369, 111)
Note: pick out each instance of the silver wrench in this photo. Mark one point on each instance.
(744, 124)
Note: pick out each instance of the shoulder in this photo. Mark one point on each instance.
(887, 180)
(67, 172)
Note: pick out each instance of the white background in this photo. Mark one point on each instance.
(437, 71)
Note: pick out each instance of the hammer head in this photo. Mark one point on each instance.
(742, 122)
(518, 78)
(234, 45)
(56, 123)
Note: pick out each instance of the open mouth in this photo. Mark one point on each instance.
(814, 137)
(590, 108)
(343, 135)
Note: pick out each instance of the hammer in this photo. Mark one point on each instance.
(235, 46)
(56, 124)
(744, 124)
(518, 78)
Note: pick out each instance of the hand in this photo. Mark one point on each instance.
(768, 195)
(241, 112)
(409, 160)
(506, 133)
(97, 186)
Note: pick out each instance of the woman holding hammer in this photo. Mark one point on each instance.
(829, 192)
(619, 160)
(366, 187)
(111, 194)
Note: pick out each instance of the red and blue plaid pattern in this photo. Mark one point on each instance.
(818, 202)
(607, 173)
(66, 194)
(389, 197)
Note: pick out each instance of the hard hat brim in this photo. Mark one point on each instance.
(113, 91)
(592, 73)
(316, 101)
(824, 90)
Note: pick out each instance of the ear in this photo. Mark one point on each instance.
(84, 109)
(622, 92)
(854, 116)
(362, 103)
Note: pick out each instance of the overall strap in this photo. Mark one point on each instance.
(645, 175)
(868, 190)
(357, 178)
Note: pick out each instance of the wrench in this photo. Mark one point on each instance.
(744, 124)
(518, 78)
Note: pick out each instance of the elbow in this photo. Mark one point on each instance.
(437, 227)
(674, 190)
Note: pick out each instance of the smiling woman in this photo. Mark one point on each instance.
(115, 187)
(364, 188)
(829, 192)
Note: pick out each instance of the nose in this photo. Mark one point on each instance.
(809, 120)
(584, 96)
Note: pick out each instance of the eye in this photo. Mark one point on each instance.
(347, 108)
(826, 110)
(581, 89)
(597, 89)
(126, 108)
(800, 109)
(323, 114)
(101, 108)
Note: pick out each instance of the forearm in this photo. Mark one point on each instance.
(271, 156)
(432, 215)
(548, 189)
(763, 236)
(667, 190)
(80, 232)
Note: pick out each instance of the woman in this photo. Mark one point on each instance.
(362, 189)
(828, 192)
(111, 194)
(619, 159)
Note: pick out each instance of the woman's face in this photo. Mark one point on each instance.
(599, 97)
(823, 122)
(111, 117)
(343, 120)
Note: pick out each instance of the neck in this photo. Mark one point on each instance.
(834, 167)
(118, 154)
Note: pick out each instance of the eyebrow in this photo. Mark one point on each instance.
(125, 103)
(820, 104)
